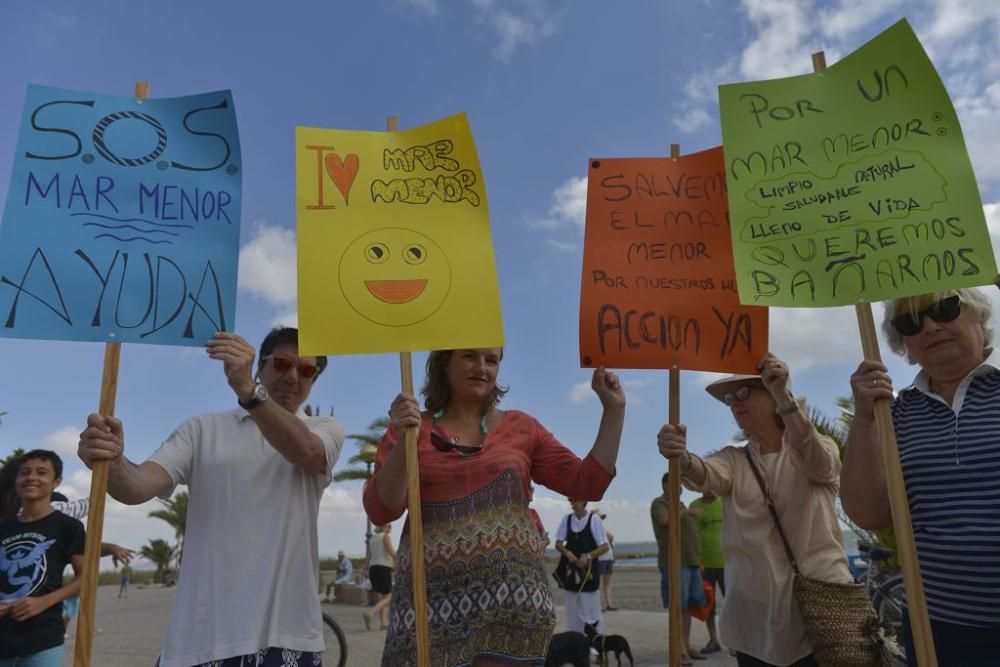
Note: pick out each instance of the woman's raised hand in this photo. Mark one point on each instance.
(608, 388)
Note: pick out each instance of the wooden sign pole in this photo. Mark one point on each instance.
(675, 635)
(85, 623)
(413, 507)
(906, 548)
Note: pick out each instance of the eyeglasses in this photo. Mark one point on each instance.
(284, 364)
(443, 444)
(945, 310)
(739, 394)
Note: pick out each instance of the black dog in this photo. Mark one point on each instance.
(610, 643)
(571, 647)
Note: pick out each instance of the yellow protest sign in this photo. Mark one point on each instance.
(852, 184)
(394, 245)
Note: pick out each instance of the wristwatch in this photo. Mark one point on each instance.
(257, 396)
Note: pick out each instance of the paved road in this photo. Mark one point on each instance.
(131, 631)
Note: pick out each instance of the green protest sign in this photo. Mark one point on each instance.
(852, 184)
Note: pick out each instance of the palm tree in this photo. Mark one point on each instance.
(175, 514)
(159, 553)
(17, 453)
(367, 446)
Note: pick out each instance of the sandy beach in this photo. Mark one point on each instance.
(131, 629)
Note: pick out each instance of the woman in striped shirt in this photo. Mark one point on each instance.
(948, 431)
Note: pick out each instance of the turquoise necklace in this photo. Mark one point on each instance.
(482, 425)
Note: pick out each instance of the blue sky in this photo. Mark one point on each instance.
(545, 85)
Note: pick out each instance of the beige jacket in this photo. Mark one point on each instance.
(760, 616)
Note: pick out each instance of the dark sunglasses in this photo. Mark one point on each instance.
(284, 364)
(945, 310)
(739, 394)
(443, 444)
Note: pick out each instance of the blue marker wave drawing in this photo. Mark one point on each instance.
(126, 223)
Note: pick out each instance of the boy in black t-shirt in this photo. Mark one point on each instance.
(34, 550)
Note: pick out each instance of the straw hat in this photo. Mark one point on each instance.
(720, 388)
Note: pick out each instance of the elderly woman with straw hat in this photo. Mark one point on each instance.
(799, 468)
(948, 431)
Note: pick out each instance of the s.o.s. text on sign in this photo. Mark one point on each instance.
(122, 219)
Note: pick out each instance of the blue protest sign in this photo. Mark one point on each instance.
(122, 220)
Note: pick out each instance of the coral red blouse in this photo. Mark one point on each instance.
(518, 442)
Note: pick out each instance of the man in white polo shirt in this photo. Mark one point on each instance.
(256, 475)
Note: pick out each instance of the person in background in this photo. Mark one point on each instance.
(581, 540)
(948, 433)
(381, 560)
(10, 507)
(125, 581)
(35, 547)
(345, 570)
(476, 464)
(692, 591)
(606, 566)
(713, 562)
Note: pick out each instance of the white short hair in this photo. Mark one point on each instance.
(971, 297)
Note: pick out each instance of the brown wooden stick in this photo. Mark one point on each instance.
(85, 624)
(413, 507)
(675, 638)
(906, 547)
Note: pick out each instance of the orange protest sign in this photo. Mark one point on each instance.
(658, 285)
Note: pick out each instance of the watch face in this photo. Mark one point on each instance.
(260, 393)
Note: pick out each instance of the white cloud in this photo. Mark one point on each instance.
(286, 319)
(848, 16)
(63, 442)
(267, 265)
(563, 246)
(992, 212)
(529, 22)
(692, 120)
(579, 393)
(795, 333)
(782, 30)
(568, 207)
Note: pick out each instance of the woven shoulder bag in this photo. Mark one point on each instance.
(840, 623)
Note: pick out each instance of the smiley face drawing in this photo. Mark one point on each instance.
(395, 277)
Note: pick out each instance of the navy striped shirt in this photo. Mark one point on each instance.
(951, 464)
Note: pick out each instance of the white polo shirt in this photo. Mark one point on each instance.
(250, 567)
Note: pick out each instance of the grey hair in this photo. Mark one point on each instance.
(971, 297)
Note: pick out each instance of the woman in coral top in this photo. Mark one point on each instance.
(488, 595)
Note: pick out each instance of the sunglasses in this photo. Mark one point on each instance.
(443, 444)
(284, 364)
(945, 310)
(739, 394)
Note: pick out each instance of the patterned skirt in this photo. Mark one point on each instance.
(487, 591)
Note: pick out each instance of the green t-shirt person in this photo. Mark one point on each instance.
(710, 531)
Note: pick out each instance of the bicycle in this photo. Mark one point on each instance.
(335, 654)
(886, 592)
